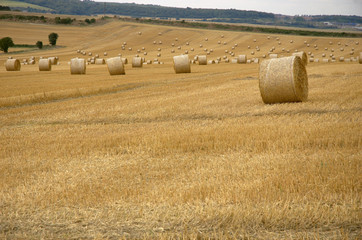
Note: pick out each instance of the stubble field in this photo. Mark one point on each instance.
(152, 154)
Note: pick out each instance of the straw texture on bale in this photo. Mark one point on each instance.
(242, 59)
(12, 65)
(303, 56)
(181, 64)
(77, 66)
(45, 65)
(99, 61)
(115, 66)
(283, 80)
(137, 62)
(202, 59)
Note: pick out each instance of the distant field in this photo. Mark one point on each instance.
(158, 155)
(11, 4)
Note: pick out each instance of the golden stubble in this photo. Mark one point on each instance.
(152, 154)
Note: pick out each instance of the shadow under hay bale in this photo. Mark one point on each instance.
(283, 80)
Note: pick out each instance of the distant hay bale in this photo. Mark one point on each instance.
(325, 60)
(211, 62)
(187, 43)
(341, 59)
(45, 65)
(242, 59)
(124, 60)
(234, 60)
(181, 64)
(137, 62)
(202, 60)
(105, 54)
(172, 50)
(283, 80)
(115, 66)
(53, 60)
(192, 49)
(311, 60)
(158, 54)
(303, 56)
(12, 65)
(100, 61)
(316, 60)
(77, 66)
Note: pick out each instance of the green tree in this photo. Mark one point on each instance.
(5, 43)
(53, 37)
(39, 44)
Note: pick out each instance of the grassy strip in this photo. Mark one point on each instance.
(229, 27)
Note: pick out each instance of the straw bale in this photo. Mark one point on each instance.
(242, 59)
(77, 66)
(181, 64)
(45, 64)
(202, 60)
(12, 65)
(124, 60)
(137, 62)
(100, 61)
(303, 56)
(115, 66)
(325, 60)
(283, 80)
(53, 60)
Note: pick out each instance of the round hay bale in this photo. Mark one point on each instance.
(325, 60)
(211, 62)
(137, 62)
(192, 49)
(90, 54)
(311, 59)
(283, 80)
(12, 65)
(53, 60)
(303, 56)
(202, 60)
(115, 66)
(242, 59)
(99, 61)
(105, 54)
(77, 66)
(124, 60)
(181, 64)
(341, 59)
(45, 65)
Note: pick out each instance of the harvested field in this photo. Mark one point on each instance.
(154, 154)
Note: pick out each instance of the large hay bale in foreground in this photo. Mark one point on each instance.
(115, 66)
(77, 66)
(242, 59)
(181, 64)
(45, 64)
(303, 56)
(137, 62)
(202, 59)
(283, 80)
(12, 64)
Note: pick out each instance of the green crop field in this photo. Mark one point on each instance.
(13, 4)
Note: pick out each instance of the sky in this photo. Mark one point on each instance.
(286, 7)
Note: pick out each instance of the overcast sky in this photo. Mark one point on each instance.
(288, 7)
